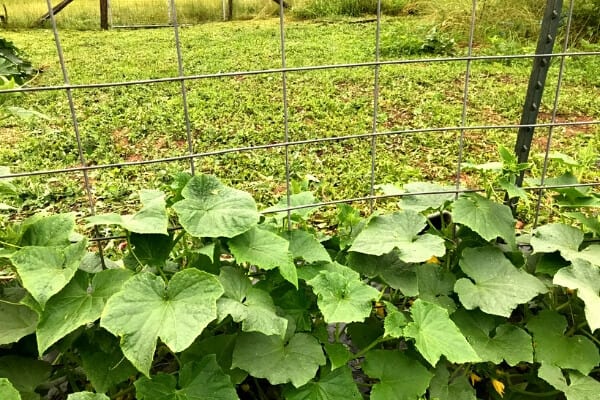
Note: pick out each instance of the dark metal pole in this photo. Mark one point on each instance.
(537, 81)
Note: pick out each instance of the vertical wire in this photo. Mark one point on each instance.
(186, 114)
(109, 11)
(463, 117)
(554, 112)
(375, 104)
(74, 121)
(285, 113)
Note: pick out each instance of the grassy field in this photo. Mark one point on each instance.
(144, 122)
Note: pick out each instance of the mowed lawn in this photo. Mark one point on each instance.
(128, 124)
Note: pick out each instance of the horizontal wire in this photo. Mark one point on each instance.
(295, 69)
(292, 143)
(378, 197)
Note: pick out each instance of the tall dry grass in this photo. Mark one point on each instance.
(85, 14)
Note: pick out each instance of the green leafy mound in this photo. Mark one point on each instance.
(210, 299)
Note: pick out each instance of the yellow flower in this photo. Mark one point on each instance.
(474, 378)
(380, 309)
(433, 260)
(498, 387)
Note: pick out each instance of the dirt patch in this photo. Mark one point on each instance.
(562, 133)
(9, 136)
(120, 139)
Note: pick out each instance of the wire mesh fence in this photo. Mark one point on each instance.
(298, 124)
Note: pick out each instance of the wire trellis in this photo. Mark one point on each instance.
(286, 143)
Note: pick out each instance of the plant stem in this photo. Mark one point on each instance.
(382, 292)
(9, 244)
(592, 337)
(123, 392)
(534, 394)
(563, 305)
(370, 346)
(178, 237)
(261, 393)
(338, 332)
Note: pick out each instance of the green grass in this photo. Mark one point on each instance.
(125, 124)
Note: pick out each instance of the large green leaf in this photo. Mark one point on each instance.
(342, 296)
(399, 231)
(16, 321)
(556, 237)
(200, 380)
(304, 245)
(565, 239)
(152, 217)
(251, 306)
(296, 304)
(8, 391)
(7, 189)
(435, 335)
(51, 230)
(498, 287)
(435, 285)
(332, 385)
(103, 361)
(270, 357)
(486, 217)
(394, 272)
(78, 303)
(266, 250)
(151, 250)
(25, 374)
(446, 387)
(394, 321)
(46, 270)
(395, 382)
(425, 202)
(87, 396)
(590, 222)
(494, 342)
(584, 277)
(552, 347)
(146, 309)
(338, 354)
(222, 347)
(256, 313)
(296, 200)
(211, 209)
(581, 387)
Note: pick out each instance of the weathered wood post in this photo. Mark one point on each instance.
(227, 10)
(104, 14)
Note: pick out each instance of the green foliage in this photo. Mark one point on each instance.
(350, 8)
(433, 42)
(13, 64)
(231, 303)
(201, 379)
(394, 383)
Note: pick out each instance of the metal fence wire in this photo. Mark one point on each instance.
(280, 75)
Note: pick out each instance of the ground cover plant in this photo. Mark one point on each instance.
(136, 123)
(242, 304)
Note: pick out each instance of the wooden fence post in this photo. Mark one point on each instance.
(104, 14)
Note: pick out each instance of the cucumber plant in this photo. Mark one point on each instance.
(205, 297)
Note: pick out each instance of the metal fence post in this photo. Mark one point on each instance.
(537, 81)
